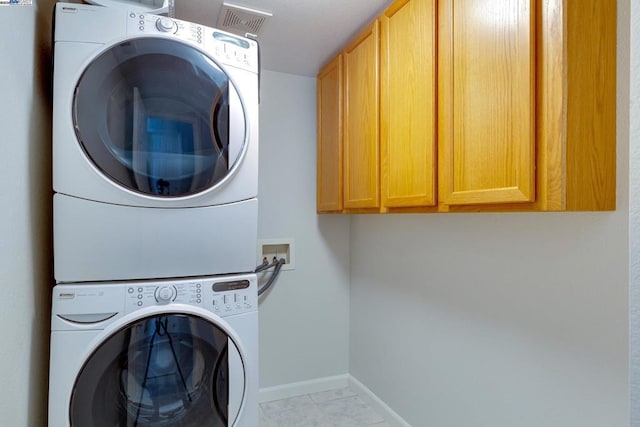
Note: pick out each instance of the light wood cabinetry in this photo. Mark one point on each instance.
(486, 99)
(576, 105)
(485, 105)
(329, 191)
(361, 120)
(574, 93)
(408, 104)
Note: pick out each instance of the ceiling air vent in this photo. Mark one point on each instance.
(242, 20)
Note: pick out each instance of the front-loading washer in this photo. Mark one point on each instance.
(155, 146)
(181, 353)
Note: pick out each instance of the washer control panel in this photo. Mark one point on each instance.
(224, 296)
(85, 305)
(226, 48)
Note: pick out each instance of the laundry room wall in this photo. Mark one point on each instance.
(304, 318)
(634, 216)
(25, 217)
(499, 319)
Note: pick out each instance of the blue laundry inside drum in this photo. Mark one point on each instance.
(167, 156)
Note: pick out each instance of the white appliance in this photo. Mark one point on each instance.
(146, 6)
(155, 147)
(155, 353)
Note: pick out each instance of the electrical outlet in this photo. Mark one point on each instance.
(277, 248)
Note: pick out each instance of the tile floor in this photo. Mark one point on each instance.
(334, 408)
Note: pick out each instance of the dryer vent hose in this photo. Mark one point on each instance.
(277, 265)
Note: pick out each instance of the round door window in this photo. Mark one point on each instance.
(159, 117)
(165, 370)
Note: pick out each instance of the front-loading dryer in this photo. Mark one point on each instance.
(155, 353)
(155, 146)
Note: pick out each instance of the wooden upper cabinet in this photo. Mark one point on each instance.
(408, 104)
(479, 105)
(329, 173)
(487, 101)
(361, 110)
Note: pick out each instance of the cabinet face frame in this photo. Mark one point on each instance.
(408, 131)
(496, 139)
(361, 120)
(329, 191)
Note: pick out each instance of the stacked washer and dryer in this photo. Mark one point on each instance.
(155, 176)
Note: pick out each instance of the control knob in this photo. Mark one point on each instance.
(164, 294)
(165, 24)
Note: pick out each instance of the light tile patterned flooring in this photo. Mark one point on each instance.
(334, 408)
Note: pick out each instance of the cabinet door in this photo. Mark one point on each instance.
(486, 139)
(408, 104)
(361, 156)
(329, 191)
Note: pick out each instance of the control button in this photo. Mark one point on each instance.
(132, 15)
(139, 303)
(130, 290)
(139, 296)
(165, 24)
(198, 300)
(140, 289)
(141, 28)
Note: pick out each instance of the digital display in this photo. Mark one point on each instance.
(230, 286)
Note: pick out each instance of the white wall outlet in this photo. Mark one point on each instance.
(278, 248)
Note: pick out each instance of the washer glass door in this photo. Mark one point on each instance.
(163, 370)
(159, 117)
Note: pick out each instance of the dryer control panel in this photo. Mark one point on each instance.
(224, 47)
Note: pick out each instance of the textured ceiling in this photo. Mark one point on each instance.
(302, 34)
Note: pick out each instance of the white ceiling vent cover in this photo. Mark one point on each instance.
(242, 20)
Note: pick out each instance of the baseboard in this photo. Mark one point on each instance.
(376, 403)
(285, 391)
(303, 387)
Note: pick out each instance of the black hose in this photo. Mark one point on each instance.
(273, 276)
(265, 265)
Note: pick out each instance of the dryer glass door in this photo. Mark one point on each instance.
(159, 117)
(165, 370)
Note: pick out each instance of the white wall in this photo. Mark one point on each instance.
(498, 319)
(634, 215)
(25, 200)
(304, 318)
